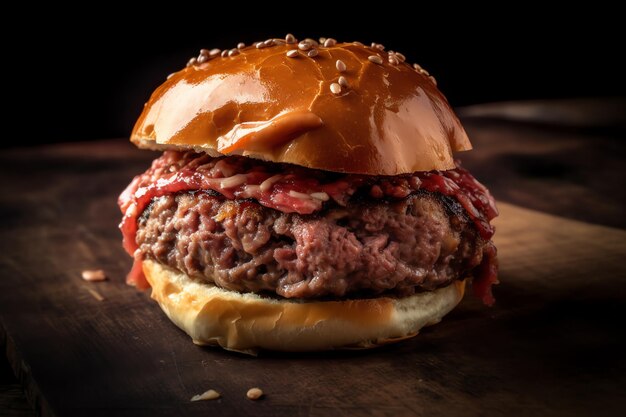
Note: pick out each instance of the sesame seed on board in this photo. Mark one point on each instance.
(206, 396)
(254, 393)
(93, 275)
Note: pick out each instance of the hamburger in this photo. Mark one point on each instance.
(307, 198)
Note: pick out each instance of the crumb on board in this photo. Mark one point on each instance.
(93, 275)
(95, 294)
(207, 395)
(254, 393)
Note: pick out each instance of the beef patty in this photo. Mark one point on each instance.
(421, 242)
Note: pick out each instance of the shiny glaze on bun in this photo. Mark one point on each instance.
(384, 117)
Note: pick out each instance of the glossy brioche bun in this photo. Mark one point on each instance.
(389, 119)
(248, 322)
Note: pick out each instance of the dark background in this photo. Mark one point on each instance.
(84, 74)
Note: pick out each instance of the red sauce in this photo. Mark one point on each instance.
(294, 189)
(136, 276)
(486, 275)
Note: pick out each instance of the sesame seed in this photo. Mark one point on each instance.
(329, 42)
(292, 53)
(204, 52)
(313, 52)
(417, 67)
(233, 52)
(375, 59)
(241, 45)
(378, 46)
(171, 75)
(358, 43)
(393, 60)
(431, 78)
(259, 45)
(202, 59)
(278, 41)
(192, 61)
(269, 42)
(312, 41)
(224, 53)
(94, 275)
(343, 82)
(335, 88)
(290, 38)
(341, 67)
(304, 45)
(214, 52)
(208, 395)
(401, 57)
(254, 393)
(322, 40)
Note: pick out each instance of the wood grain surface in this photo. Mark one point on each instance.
(552, 345)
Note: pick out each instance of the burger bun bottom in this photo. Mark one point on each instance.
(247, 322)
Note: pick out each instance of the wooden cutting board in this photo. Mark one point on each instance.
(552, 345)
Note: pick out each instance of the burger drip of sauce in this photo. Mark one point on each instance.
(294, 189)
